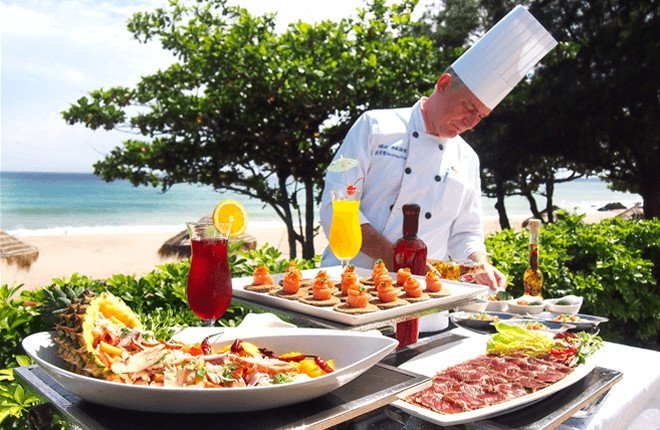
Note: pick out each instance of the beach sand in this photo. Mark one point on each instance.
(100, 256)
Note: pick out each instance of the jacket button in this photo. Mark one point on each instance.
(408, 170)
(415, 134)
(440, 146)
(391, 207)
(438, 178)
(427, 215)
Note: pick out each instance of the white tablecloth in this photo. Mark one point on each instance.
(634, 402)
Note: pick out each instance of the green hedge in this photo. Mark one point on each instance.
(613, 264)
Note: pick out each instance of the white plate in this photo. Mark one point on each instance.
(572, 308)
(436, 360)
(586, 322)
(515, 308)
(353, 352)
(466, 320)
(459, 291)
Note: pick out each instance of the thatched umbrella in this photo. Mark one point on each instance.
(635, 212)
(179, 245)
(17, 252)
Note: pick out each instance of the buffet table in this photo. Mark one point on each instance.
(628, 378)
(623, 387)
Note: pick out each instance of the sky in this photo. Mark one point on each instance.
(55, 51)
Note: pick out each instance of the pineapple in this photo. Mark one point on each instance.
(75, 326)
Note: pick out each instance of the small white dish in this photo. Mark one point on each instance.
(434, 322)
(477, 305)
(525, 305)
(497, 306)
(572, 306)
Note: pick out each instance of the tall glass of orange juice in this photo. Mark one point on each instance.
(345, 232)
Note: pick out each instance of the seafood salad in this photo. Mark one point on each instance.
(101, 337)
(134, 358)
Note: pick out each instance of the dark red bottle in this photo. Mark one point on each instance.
(410, 252)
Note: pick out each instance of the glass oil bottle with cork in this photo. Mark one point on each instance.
(533, 277)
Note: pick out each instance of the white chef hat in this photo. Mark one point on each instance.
(503, 56)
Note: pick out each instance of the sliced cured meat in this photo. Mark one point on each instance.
(487, 380)
(531, 383)
(550, 376)
(469, 376)
(492, 398)
(512, 391)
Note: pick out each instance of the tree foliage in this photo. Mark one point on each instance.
(249, 110)
(587, 108)
(607, 76)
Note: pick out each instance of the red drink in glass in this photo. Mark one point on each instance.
(209, 282)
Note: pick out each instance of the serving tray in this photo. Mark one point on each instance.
(459, 293)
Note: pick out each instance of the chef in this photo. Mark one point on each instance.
(416, 154)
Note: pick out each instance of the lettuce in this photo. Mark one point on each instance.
(511, 339)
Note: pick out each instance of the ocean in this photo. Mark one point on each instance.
(38, 203)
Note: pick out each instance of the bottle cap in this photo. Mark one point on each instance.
(534, 225)
(411, 209)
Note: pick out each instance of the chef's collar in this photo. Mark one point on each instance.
(418, 123)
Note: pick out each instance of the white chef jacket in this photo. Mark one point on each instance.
(402, 164)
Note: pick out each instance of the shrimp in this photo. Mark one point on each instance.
(348, 279)
(293, 268)
(413, 287)
(357, 298)
(379, 269)
(402, 275)
(433, 282)
(261, 276)
(321, 290)
(290, 283)
(386, 292)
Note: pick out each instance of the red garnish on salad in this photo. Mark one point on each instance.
(294, 358)
(206, 346)
(236, 346)
(323, 365)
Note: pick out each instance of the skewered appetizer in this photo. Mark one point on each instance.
(413, 290)
(322, 292)
(388, 296)
(262, 282)
(357, 301)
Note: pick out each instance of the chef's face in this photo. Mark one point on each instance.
(452, 108)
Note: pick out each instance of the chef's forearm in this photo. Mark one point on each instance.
(375, 245)
(479, 257)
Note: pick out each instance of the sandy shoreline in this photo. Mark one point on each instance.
(101, 255)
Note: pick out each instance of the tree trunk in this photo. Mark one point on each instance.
(651, 197)
(308, 240)
(499, 205)
(549, 191)
(288, 216)
(532, 204)
(649, 189)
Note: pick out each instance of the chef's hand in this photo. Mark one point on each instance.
(492, 277)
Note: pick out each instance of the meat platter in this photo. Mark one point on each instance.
(465, 353)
